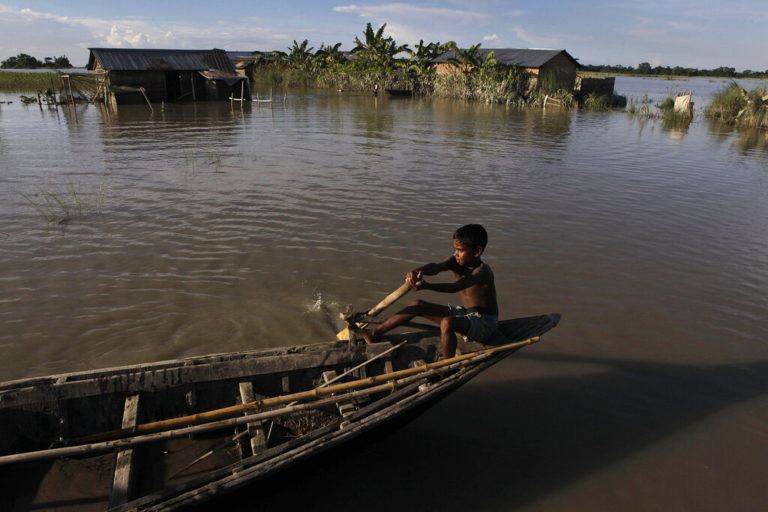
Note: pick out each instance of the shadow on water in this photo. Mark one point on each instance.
(538, 436)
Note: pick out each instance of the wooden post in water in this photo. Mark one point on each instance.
(149, 104)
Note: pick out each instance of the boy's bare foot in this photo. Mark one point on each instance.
(368, 335)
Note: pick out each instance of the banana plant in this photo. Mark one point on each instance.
(299, 55)
(422, 55)
(467, 60)
(376, 51)
(328, 55)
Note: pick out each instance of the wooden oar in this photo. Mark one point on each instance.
(378, 308)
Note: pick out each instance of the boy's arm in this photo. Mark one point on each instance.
(414, 277)
(477, 276)
(431, 269)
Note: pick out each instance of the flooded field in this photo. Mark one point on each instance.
(133, 236)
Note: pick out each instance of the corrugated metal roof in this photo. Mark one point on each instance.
(522, 57)
(130, 59)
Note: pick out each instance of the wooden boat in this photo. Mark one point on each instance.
(138, 437)
(400, 92)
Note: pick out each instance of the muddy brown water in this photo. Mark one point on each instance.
(201, 229)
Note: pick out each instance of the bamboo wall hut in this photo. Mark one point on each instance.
(552, 69)
(136, 75)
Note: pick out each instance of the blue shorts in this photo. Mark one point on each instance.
(481, 326)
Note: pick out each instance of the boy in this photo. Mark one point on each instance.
(478, 315)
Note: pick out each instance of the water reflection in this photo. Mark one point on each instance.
(677, 129)
(746, 139)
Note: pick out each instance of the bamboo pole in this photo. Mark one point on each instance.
(365, 363)
(102, 446)
(409, 376)
(378, 308)
(236, 410)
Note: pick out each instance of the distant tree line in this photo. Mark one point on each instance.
(24, 61)
(645, 68)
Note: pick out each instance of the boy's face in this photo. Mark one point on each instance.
(466, 255)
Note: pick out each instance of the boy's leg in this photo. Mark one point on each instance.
(449, 326)
(428, 310)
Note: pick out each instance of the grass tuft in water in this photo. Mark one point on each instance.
(62, 206)
(735, 105)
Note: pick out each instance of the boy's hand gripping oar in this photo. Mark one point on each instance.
(378, 308)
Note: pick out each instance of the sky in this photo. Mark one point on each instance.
(703, 34)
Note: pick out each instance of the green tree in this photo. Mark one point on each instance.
(422, 55)
(467, 60)
(328, 56)
(644, 68)
(62, 62)
(377, 52)
(22, 60)
(300, 57)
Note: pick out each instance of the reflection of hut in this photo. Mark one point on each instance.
(551, 69)
(166, 75)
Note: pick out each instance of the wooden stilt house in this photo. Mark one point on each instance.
(138, 75)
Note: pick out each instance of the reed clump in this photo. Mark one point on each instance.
(676, 108)
(601, 102)
(737, 106)
(67, 203)
(490, 84)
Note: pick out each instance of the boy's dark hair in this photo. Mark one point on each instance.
(473, 235)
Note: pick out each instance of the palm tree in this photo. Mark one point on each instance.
(469, 59)
(422, 55)
(378, 51)
(300, 56)
(328, 55)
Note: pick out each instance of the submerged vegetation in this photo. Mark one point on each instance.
(676, 109)
(377, 63)
(737, 106)
(66, 203)
(13, 81)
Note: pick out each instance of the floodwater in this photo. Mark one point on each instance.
(204, 228)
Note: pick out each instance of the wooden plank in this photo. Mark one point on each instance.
(165, 378)
(286, 384)
(388, 366)
(255, 429)
(346, 408)
(220, 358)
(123, 477)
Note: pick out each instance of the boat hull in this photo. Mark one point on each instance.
(37, 412)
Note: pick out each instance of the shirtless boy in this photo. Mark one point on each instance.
(478, 315)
